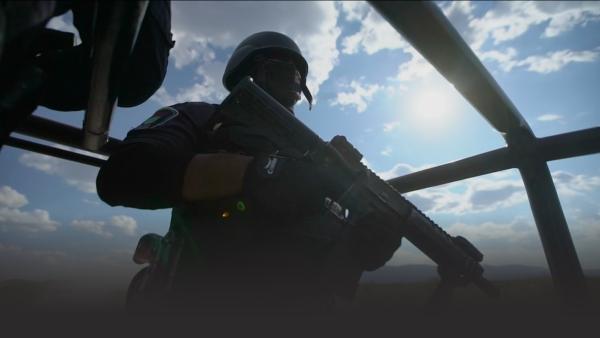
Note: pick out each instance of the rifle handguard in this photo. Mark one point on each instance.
(250, 105)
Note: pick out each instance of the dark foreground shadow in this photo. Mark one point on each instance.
(525, 307)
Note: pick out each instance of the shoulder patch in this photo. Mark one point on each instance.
(161, 117)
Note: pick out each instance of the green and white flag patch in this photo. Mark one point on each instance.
(161, 117)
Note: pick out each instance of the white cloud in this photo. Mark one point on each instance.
(11, 198)
(585, 226)
(554, 61)
(399, 169)
(415, 68)
(568, 184)
(13, 218)
(321, 59)
(354, 10)
(505, 21)
(375, 34)
(387, 151)
(480, 195)
(359, 96)
(518, 241)
(126, 224)
(164, 98)
(544, 64)
(514, 242)
(29, 221)
(95, 227)
(509, 20)
(80, 176)
(505, 59)
(390, 126)
(200, 28)
(564, 16)
(92, 202)
(351, 44)
(518, 229)
(486, 194)
(189, 48)
(549, 117)
(207, 88)
(458, 8)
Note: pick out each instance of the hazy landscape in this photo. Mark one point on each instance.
(389, 289)
(392, 300)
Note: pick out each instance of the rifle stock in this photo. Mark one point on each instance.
(250, 107)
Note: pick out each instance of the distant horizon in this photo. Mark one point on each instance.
(380, 275)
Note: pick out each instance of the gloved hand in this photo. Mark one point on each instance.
(373, 240)
(277, 186)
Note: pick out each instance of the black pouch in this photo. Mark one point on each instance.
(148, 64)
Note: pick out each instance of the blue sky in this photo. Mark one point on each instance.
(371, 86)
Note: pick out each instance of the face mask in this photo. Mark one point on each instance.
(281, 80)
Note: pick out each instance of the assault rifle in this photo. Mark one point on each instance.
(272, 126)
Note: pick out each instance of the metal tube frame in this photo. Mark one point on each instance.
(61, 133)
(113, 45)
(424, 25)
(53, 151)
(551, 148)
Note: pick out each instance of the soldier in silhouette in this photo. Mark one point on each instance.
(248, 234)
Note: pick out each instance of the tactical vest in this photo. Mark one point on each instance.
(231, 254)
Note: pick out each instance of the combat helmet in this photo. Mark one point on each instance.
(263, 43)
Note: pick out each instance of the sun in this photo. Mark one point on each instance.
(432, 109)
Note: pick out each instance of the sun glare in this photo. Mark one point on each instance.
(432, 109)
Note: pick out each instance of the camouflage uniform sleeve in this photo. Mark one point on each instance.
(147, 170)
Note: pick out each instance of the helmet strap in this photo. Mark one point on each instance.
(274, 75)
(307, 94)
